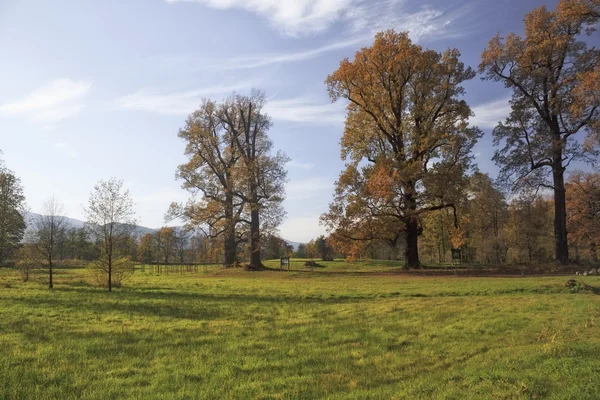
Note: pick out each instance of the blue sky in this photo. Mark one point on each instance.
(94, 89)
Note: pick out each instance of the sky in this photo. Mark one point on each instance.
(98, 89)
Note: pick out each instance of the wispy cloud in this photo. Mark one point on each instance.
(268, 59)
(487, 115)
(175, 103)
(306, 110)
(294, 17)
(51, 102)
(306, 17)
(362, 19)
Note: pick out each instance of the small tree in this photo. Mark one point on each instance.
(28, 260)
(111, 221)
(50, 236)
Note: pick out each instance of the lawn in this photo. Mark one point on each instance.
(341, 331)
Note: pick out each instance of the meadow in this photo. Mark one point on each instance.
(342, 331)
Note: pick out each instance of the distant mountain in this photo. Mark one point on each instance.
(76, 223)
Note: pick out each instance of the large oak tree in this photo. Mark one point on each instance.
(262, 175)
(407, 139)
(210, 173)
(555, 95)
(231, 166)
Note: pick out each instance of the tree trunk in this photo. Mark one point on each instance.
(411, 249)
(110, 273)
(255, 238)
(229, 234)
(50, 280)
(560, 210)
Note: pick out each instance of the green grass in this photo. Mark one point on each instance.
(338, 332)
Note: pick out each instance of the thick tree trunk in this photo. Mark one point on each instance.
(229, 234)
(560, 210)
(411, 248)
(255, 238)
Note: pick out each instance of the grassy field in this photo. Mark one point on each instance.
(342, 331)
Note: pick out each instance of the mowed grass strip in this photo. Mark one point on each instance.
(338, 332)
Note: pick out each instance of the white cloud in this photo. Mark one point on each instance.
(487, 115)
(175, 103)
(304, 17)
(52, 102)
(305, 110)
(264, 60)
(299, 109)
(304, 189)
(290, 16)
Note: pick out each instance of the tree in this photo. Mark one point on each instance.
(555, 95)
(50, 236)
(311, 250)
(12, 212)
(323, 248)
(166, 242)
(209, 172)
(111, 221)
(181, 242)
(529, 229)
(231, 166)
(486, 216)
(262, 176)
(146, 249)
(583, 211)
(28, 260)
(407, 138)
(301, 251)
(275, 247)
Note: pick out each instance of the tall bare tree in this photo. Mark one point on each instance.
(50, 236)
(555, 95)
(111, 221)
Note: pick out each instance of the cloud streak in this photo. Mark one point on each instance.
(309, 17)
(52, 102)
(175, 103)
(487, 115)
(297, 110)
(306, 110)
